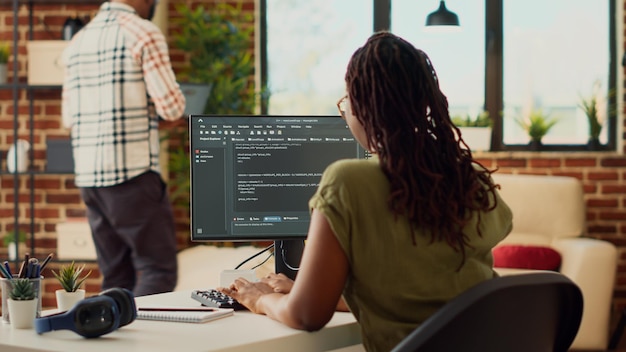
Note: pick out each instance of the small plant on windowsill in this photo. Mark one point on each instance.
(475, 131)
(481, 120)
(536, 125)
(594, 108)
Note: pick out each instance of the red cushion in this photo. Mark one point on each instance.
(526, 257)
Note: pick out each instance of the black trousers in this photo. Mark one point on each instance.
(132, 225)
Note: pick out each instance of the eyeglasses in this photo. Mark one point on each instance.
(342, 105)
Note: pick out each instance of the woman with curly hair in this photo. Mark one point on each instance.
(400, 234)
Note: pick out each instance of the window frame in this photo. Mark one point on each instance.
(493, 72)
(494, 83)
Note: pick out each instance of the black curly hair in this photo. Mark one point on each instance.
(394, 93)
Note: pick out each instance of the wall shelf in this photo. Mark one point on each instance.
(26, 197)
(23, 86)
(59, 2)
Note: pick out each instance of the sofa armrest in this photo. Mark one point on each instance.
(591, 264)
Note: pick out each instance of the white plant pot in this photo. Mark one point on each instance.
(17, 156)
(67, 300)
(22, 313)
(477, 138)
(15, 250)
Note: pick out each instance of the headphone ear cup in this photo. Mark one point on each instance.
(126, 303)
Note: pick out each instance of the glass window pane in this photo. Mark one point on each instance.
(554, 51)
(458, 57)
(309, 43)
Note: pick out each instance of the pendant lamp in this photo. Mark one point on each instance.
(442, 17)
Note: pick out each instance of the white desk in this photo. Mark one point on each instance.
(242, 332)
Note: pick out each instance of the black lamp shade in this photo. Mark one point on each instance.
(442, 17)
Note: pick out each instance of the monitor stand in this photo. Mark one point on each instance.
(287, 255)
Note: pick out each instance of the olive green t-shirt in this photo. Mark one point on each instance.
(394, 285)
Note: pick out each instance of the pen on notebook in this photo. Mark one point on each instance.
(178, 309)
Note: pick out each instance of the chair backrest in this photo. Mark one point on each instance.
(528, 312)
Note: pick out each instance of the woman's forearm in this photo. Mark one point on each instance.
(277, 307)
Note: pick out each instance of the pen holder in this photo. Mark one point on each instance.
(5, 285)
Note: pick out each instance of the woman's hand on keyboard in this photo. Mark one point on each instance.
(279, 282)
(247, 293)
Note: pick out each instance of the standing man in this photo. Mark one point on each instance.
(118, 81)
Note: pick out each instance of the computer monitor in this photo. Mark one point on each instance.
(252, 177)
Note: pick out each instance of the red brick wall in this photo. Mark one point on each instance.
(56, 198)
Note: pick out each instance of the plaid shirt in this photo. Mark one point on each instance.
(118, 81)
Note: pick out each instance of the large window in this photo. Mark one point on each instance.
(550, 62)
(457, 56)
(309, 44)
(510, 58)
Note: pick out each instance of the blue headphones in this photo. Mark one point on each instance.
(93, 316)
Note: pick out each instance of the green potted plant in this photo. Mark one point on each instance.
(9, 242)
(217, 43)
(536, 125)
(475, 131)
(480, 120)
(70, 279)
(593, 107)
(22, 303)
(5, 53)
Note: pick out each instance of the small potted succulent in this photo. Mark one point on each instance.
(22, 303)
(70, 279)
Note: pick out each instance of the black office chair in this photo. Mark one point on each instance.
(528, 312)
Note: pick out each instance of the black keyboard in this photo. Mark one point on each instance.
(214, 298)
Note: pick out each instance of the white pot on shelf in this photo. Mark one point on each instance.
(67, 300)
(477, 138)
(22, 313)
(17, 157)
(14, 250)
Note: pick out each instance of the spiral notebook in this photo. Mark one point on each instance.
(183, 314)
